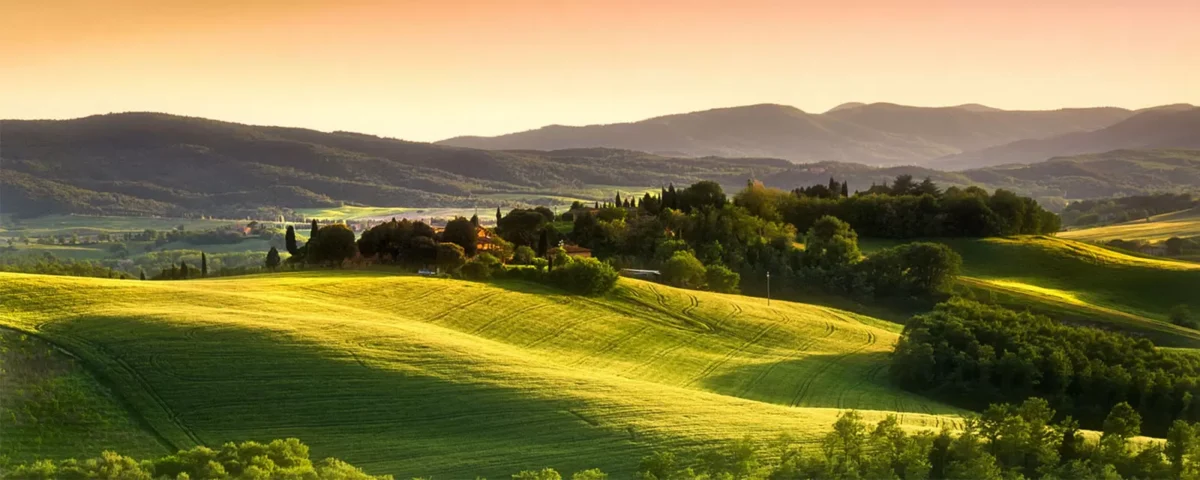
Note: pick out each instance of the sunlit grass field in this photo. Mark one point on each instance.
(417, 376)
(1181, 224)
(1080, 282)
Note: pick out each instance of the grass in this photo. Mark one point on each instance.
(418, 376)
(1181, 224)
(49, 405)
(1080, 282)
(94, 225)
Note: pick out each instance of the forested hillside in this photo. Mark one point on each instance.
(164, 165)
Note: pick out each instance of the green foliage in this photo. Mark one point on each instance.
(522, 227)
(461, 232)
(405, 242)
(683, 270)
(830, 245)
(481, 267)
(272, 261)
(523, 255)
(584, 276)
(721, 279)
(1124, 209)
(1181, 315)
(911, 269)
(332, 245)
(972, 354)
(450, 257)
(235, 461)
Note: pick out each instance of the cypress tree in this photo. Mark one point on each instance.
(618, 199)
(672, 199)
(543, 244)
(313, 234)
(597, 205)
(290, 241)
(273, 258)
(498, 217)
(142, 274)
(846, 189)
(183, 270)
(475, 220)
(203, 265)
(833, 186)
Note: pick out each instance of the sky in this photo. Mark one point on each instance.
(433, 69)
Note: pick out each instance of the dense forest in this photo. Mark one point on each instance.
(1124, 209)
(972, 354)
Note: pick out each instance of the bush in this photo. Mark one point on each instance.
(1182, 316)
(683, 270)
(480, 267)
(721, 279)
(450, 257)
(912, 269)
(523, 255)
(585, 276)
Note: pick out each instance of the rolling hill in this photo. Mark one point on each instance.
(1079, 282)
(1183, 224)
(875, 134)
(419, 376)
(1162, 128)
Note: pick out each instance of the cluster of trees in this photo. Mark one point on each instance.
(1124, 209)
(48, 264)
(1006, 442)
(972, 354)
(907, 210)
(235, 461)
(832, 257)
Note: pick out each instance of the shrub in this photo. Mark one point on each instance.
(523, 255)
(721, 279)
(585, 276)
(480, 267)
(683, 270)
(913, 269)
(1182, 316)
(461, 232)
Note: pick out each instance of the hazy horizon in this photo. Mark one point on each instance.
(471, 67)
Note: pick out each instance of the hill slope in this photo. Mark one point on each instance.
(146, 163)
(1174, 127)
(418, 376)
(1080, 282)
(1183, 224)
(872, 134)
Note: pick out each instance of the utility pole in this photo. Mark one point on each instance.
(768, 289)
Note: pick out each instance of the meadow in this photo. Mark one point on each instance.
(418, 376)
(1183, 224)
(1078, 282)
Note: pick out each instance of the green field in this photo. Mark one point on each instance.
(1183, 224)
(1080, 282)
(93, 225)
(416, 376)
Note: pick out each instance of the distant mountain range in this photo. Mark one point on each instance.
(158, 164)
(876, 134)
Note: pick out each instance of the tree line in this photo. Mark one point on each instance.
(1007, 441)
(971, 354)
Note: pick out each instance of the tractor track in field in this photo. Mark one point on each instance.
(662, 299)
(762, 375)
(562, 328)
(611, 345)
(711, 367)
(463, 305)
(508, 316)
(693, 303)
(867, 377)
(806, 385)
(737, 312)
(659, 355)
(143, 384)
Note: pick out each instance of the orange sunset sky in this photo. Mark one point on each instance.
(433, 69)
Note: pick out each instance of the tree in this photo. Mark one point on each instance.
(450, 257)
(543, 244)
(203, 265)
(721, 279)
(1182, 316)
(312, 234)
(617, 200)
(927, 187)
(701, 194)
(141, 274)
(683, 270)
(290, 241)
(461, 232)
(522, 226)
(831, 244)
(183, 270)
(272, 259)
(333, 244)
(475, 220)
(846, 189)
(498, 216)
(585, 276)
(1174, 246)
(903, 185)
